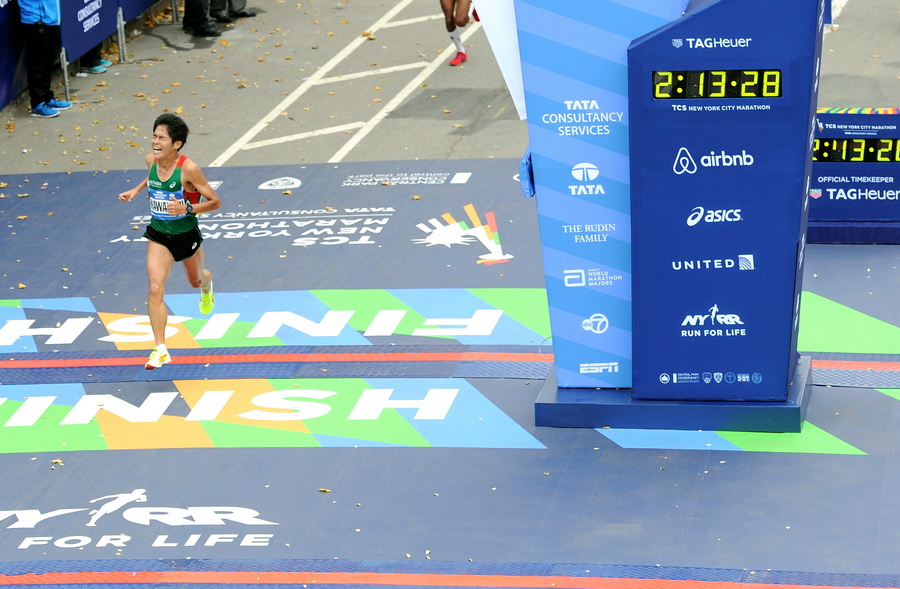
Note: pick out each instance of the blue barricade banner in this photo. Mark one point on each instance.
(856, 166)
(575, 77)
(12, 53)
(722, 116)
(131, 9)
(84, 24)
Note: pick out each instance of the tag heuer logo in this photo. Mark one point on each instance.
(676, 43)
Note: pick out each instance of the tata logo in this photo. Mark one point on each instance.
(686, 164)
(590, 104)
(699, 214)
(585, 172)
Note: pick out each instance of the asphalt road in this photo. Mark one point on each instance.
(313, 81)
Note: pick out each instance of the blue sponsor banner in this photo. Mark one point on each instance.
(84, 24)
(722, 114)
(12, 55)
(131, 9)
(856, 166)
(576, 82)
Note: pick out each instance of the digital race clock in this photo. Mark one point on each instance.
(722, 117)
(868, 150)
(717, 84)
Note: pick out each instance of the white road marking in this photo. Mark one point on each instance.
(314, 79)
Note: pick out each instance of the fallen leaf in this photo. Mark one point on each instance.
(323, 490)
(21, 286)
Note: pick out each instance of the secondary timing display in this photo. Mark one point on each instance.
(717, 84)
(869, 150)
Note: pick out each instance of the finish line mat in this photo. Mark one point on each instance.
(364, 392)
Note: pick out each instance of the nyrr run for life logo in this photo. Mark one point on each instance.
(122, 506)
(452, 232)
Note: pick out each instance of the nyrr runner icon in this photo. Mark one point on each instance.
(116, 502)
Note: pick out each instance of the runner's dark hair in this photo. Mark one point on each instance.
(178, 129)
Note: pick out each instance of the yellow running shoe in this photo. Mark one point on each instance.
(207, 300)
(157, 359)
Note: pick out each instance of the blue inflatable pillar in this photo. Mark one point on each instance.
(575, 74)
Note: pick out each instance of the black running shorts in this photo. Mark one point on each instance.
(181, 245)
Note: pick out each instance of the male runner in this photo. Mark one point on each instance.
(175, 185)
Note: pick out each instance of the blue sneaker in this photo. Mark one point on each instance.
(43, 111)
(105, 62)
(59, 104)
(97, 69)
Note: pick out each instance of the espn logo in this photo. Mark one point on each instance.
(598, 367)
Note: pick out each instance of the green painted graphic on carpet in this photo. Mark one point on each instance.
(892, 393)
(827, 326)
(811, 440)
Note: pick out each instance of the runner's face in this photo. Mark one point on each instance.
(162, 143)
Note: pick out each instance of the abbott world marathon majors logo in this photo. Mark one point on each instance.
(110, 510)
(685, 163)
